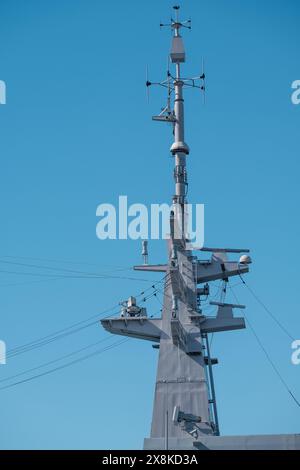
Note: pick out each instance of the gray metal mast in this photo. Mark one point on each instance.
(185, 410)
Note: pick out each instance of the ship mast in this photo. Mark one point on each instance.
(179, 148)
(184, 409)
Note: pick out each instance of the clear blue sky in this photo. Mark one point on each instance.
(76, 131)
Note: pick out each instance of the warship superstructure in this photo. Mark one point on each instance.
(185, 409)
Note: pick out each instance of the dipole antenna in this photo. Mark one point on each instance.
(166, 114)
(175, 23)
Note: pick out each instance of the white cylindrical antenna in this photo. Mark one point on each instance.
(145, 251)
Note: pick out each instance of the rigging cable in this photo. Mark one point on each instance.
(63, 261)
(5, 379)
(58, 334)
(283, 328)
(223, 291)
(267, 355)
(68, 364)
(72, 274)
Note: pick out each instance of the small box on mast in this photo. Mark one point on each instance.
(177, 54)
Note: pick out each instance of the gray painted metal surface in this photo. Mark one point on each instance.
(184, 411)
(258, 442)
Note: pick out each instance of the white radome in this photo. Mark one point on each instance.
(245, 259)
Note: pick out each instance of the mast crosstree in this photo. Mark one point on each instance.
(185, 409)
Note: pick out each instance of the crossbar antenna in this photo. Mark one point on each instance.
(177, 56)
